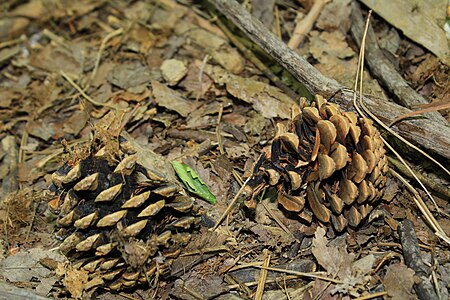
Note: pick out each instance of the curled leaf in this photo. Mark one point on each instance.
(193, 182)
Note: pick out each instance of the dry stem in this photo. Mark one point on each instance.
(304, 26)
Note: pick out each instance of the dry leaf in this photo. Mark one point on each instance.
(339, 263)
(172, 99)
(173, 71)
(74, 280)
(209, 286)
(399, 281)
(266, 99)
(130, 75)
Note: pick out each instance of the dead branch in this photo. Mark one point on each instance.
(431, 135)
(306, 24)
(432, 184)
(413, 260)
(384, 71)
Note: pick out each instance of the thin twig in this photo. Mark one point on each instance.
(206, 250)
(32, 222)
(263, 276)
(359, 78)
(253, 283)
(305, 25)
(371, 296)
(303, 274)
(200, 76)
(77, 87)
(277, 220)
(102, 48)
(13, 42)
(432, 184)
(23, 143)
(219, 136)
(230, 206)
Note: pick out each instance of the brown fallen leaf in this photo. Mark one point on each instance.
(55, 60)
(173, 100)
(266, 99)
(74, 280)
(173, 71)
(399, 281)
(209, 287)
(131, 75)
(341, 264)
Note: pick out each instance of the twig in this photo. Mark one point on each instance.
(371, 296)
(13, 42)
(430, 108)
(219, 136)
(310, 275)
(205, 250)
(384, 71)
(263, 276)
(200, 76)
(199, 136)
(305, 25)
(413, 260)
(102, 47)
(432, 184)
(96, 103)
(23, 142)
(55, 38)
(230, 206)
(277, 220)
(32, 222)
(253, 283)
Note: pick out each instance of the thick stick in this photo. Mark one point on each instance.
(413, 260)
(424, 132)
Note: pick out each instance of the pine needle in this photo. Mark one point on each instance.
(416, 197)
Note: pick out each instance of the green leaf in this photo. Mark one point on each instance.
(193, 182)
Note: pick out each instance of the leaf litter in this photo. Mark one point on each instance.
(170, 72)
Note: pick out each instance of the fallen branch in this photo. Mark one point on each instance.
(413, 260)
(434, 136)
(432, 184)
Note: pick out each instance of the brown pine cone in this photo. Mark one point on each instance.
(326, 163)
(121, 223)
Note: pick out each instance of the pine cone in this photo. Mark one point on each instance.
(120, 222)
(333, 159)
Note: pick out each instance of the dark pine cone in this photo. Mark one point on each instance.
(120, 222)
(333, 159)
